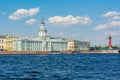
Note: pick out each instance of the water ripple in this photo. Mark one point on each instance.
(60, 67)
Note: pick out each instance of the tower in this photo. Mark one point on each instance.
(42, 31)
(110, 42)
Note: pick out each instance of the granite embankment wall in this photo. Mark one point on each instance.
(25, 52)
(101, 52)
(65, 52)
(33, 52)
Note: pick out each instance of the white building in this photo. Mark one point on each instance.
(75, 45)
(40, 43)
(2, 42)
(27, 45)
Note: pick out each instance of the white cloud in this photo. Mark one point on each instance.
(111, 13)
(113, 33)
(112, 26)
(30, 21)
(69, 20)
(22, 13)
(108, 25)
(116, 17)
(101, 26)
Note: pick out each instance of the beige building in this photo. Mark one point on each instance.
(9, 42)
(2, 42)
(75, 45)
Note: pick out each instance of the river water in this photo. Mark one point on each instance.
(60, 67)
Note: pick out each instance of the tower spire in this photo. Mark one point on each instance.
(42, 22)
(43, 31)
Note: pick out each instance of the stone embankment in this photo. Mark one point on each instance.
(33, 52)
(62, 52)
(25, 52)
(101, 52)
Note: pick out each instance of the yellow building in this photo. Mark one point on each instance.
(75, 45)
(9, 42)
(2, 42)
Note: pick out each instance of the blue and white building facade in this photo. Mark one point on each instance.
(27, 45)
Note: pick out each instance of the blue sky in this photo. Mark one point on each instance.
(89, 20)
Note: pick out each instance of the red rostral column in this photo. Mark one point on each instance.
(110, 42)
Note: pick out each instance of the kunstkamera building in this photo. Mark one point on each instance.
(47, 43)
